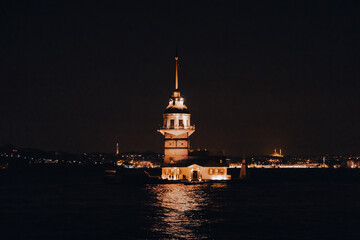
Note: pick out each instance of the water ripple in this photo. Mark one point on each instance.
(180, 210)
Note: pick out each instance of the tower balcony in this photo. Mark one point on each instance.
(177, 130)
(192, 127)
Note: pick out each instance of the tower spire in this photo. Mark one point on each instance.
(176, 71)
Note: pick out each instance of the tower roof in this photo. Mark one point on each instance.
(176, 110)
(176, 104)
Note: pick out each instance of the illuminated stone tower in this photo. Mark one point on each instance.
(176, 126)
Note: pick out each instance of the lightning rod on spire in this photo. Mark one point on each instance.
(176, 72)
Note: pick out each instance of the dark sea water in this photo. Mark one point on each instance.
(272, 204)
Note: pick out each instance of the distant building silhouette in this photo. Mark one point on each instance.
(276, 154)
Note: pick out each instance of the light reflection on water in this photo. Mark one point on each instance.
(180, 209)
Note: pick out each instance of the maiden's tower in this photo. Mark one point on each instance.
(176, 126)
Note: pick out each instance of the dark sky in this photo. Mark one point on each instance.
(79, 77)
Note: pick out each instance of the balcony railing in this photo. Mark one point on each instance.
(178, 127)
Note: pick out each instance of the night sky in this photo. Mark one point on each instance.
(79, 77)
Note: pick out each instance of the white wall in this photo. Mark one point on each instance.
(176, 173)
